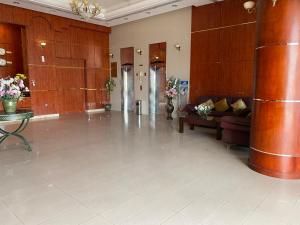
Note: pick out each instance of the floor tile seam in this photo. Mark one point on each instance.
(176, 213)
(10, 211)
(71, 196)
(256, 208)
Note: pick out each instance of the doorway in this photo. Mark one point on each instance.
(157, 77)
(127, 82)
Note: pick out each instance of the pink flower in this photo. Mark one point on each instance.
(21, 84)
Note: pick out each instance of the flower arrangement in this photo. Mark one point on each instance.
(203, 110)
(12, 88)
(172, 88)
(110, 85)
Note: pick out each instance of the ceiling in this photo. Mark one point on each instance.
(116, 11)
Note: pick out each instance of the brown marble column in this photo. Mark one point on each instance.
(275, 133)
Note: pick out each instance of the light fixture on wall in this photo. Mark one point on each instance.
(250, 6)
(274, 2)
(139, 51)
(178, 47)
(85, 9)
(111, 55)
(43, 44)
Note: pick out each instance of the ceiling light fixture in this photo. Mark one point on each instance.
(250, 6)
(85, 9)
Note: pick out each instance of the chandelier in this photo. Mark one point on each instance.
(85, 9)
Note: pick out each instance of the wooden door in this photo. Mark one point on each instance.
(71, 85)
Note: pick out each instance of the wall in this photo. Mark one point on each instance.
(223, 46)
(67, 42)
(173, 28)
(11, 40)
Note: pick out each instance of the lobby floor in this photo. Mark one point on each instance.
(110, 170)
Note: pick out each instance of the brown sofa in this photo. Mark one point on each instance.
(193, 119)
(236, 130)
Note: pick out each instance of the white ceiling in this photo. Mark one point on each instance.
(116, 11)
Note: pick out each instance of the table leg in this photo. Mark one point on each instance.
(181, 124)
(16, 133)
(219, 132)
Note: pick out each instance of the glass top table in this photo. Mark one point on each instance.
(20, 115)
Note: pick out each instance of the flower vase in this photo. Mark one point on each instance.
(10, 106)
(170, 109)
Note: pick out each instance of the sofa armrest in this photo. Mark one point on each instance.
(189, 108)
(235, 121)
(244, 112)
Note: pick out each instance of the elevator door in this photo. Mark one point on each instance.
(127, 95)
(157, 77)
(157, 83)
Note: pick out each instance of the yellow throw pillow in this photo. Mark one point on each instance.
(210, 104)
(222, 105)
(239, 105)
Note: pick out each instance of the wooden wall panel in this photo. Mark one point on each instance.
(11, 40)
(71, 82)
(223, 47)
(158, 52)
(127, 55)
(233, 12)
(67, 39)
(44, 102)
(206, 17)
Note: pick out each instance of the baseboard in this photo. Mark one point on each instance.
(46, 117)
(92, 111)
(35, 118)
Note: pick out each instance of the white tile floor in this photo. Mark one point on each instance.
(102, 171)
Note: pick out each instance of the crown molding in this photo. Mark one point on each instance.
(115, 15)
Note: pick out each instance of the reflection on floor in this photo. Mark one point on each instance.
(99, 170)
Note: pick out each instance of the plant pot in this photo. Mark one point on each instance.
(170, 109)
(10, 106)
(108, 107)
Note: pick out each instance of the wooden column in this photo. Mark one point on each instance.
(275, 134)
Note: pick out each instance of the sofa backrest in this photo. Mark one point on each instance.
(230, 99)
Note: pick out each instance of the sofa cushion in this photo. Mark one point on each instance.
(220, 114)
(241, 121)
(195, 119)
(239, 105)
(222, 105)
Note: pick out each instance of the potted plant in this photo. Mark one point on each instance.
(11, 92)
(110, 86)
(172, 90)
